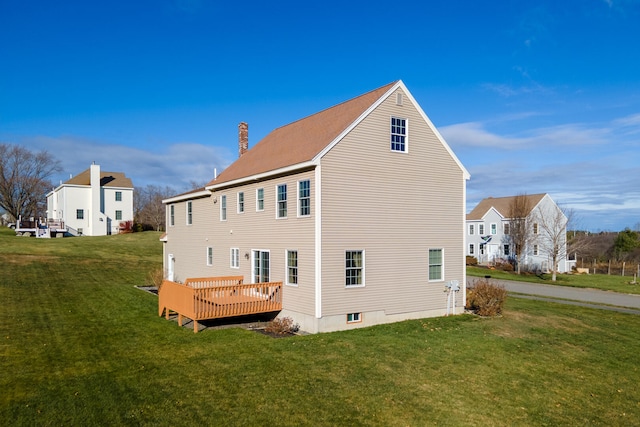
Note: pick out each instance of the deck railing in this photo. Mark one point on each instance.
(217, 297)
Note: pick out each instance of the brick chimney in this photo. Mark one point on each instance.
(243, 138)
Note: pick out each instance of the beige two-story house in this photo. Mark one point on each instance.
(359, 210)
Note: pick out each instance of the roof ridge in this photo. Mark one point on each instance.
(336, 105)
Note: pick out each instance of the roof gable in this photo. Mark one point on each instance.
(501, 205)
(300, 141)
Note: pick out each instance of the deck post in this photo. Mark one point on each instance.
(195, 326)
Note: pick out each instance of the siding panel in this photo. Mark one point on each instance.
(395, 206)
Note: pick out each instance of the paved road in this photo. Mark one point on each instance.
(608, 300)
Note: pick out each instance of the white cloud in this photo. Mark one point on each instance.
(175, 165)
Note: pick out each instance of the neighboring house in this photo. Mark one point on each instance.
(488, 232)
(93, 203)
(358, 210)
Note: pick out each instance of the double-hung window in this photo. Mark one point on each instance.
(282, 201)
(304, 198)
(481, 229)
(292, 267)
(118, 215)
(223, 208)
(507, 250)
(209, 256)
(471, 229)
(506, 228)
(535, 228)
(172, 215)
(79, 213)
(235, 257)
(260, 199)
(494, 228)
(398, 134)
(471, 249)
(189, 213)
(240, 202)
(436, 263)
(118, 196)
(354, 268)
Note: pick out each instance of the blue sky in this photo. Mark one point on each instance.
(532, 97)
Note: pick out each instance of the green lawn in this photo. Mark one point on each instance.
(596, 281)
(82, 346)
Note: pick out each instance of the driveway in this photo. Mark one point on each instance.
(595, 298)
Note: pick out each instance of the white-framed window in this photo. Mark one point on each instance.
(292, 268)
(223, 207)
(118, 215)
(261, 266)
(235, 257)
(471, 249)
(398, 134)
(436, 264)
(304, 198)
(189, 212)
(507, 250)
(535, 228)
(260, 199)
(481, 229)
(481, 249)
(281, 206)
(472, 229)
(535, 249)
(506, 229)
(172, 215)
(209, 256)
(118, 196)
(241, 202)
(354, 317)
(494, 228)
(354, 268)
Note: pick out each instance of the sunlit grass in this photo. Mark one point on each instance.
(596, 281)
(80, 345)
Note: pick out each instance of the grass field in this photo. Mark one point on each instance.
(80, 345)
(596, 281)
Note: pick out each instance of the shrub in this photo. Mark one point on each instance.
(471, 260)
(504, 266)
(281, 326)
(486, 298)
(155, 277)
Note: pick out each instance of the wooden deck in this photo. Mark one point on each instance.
(217, 297)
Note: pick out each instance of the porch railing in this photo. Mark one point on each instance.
(217, 297)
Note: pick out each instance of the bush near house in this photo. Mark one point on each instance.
(486, 298)
(471, 260)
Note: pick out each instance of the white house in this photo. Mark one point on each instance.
(357, 211)
(488, 237)
(93, 203)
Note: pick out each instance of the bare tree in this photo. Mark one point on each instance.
(24, 179)
(520, 233)
(553, 239)
(148, 207)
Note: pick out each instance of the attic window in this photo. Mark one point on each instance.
(398, 134)
(399, 98)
